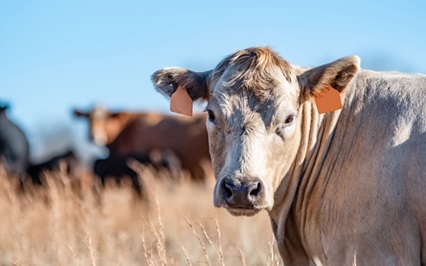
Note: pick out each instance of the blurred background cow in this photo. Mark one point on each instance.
(14, 146)
(175, 146)
(15, 155)
(66, 162)
(169, 142)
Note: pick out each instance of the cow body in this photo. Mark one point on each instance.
(183, 136)
(341, 188)
(66, 161)
(137, 134)
(118, 167)
(14, 146)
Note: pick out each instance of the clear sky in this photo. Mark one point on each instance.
(56, 55)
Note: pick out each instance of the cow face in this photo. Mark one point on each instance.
(254, 119)
(104, 126)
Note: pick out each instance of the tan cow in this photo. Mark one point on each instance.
(139, 133)
(341, 188)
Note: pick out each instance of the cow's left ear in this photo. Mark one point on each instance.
(336, 75)
(167, 80)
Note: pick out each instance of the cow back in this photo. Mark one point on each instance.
(14, 146)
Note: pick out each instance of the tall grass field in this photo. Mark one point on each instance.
(74, 221)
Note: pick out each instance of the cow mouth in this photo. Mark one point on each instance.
(242, 212)
(237, 211)
(240, 209)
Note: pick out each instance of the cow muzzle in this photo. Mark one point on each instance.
(240, 196)
(98, 138)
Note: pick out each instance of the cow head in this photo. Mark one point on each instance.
(254, 119)
(3, 107)
(104, 126)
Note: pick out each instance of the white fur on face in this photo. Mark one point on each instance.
(98, 119)
(249, 138)
(99, 137)
(244, 143)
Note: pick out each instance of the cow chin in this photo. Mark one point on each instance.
(100, 141)
(242, 212)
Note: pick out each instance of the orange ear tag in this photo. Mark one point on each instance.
(328, 102)
(181, 102)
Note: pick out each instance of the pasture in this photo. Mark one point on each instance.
(70, 223)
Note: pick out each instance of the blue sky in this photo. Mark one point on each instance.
(56, 55)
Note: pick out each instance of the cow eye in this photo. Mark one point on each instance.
(289, 119)
(211, 115)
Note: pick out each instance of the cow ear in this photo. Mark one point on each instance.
(336, 75)
(78, 113)
(115, 114)
(167, 80)
(121, 115)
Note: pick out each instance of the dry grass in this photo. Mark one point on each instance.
(179, 226)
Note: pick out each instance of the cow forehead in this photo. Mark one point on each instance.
(255, 69)
(256, 79)
(99, 112)
(244, 107)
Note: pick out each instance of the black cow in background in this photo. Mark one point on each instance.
(116, 167)
(14, 146)
(66, 161)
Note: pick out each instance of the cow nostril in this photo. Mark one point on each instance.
(256, 188)
(227, 188)
(244, 191)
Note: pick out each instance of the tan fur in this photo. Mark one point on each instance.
(341, 188)
(252, 67)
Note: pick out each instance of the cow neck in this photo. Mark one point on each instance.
(316, 134)
(125, 120)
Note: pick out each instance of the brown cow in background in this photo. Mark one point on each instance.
(130, 133)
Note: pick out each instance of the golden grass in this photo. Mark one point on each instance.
(179, 226)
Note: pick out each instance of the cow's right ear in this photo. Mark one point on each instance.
(167, 80)
(78, 113)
